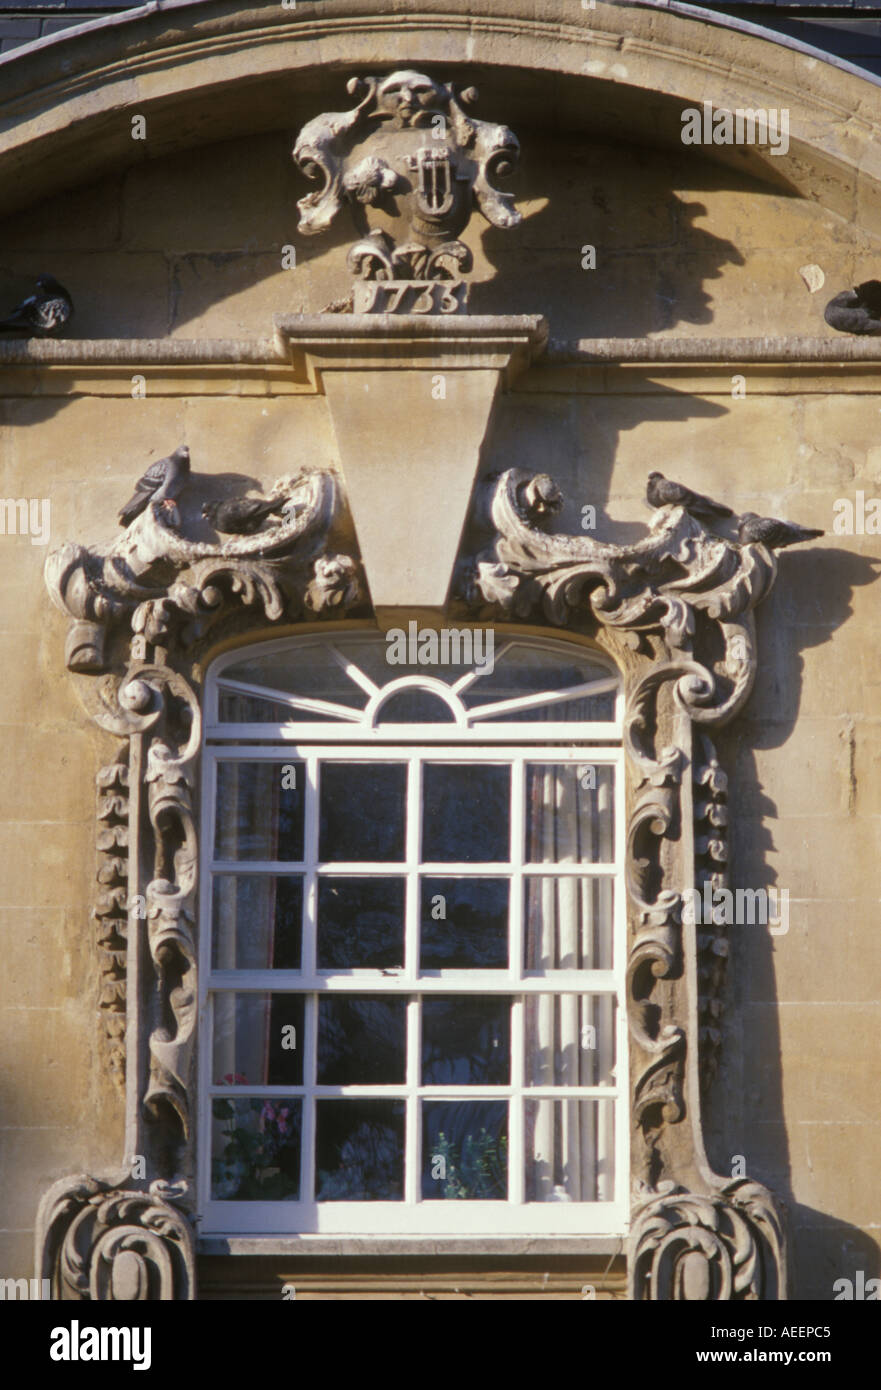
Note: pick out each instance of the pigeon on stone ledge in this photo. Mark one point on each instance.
(44, 314)
(857, 310)
(162, 481)
(242, 516)
(767, 530)
(662, 492)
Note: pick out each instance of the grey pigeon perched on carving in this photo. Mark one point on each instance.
(44, 314)
(663, 492)
(242, 516)
(857, 310)
(162, 482)
(767, 530)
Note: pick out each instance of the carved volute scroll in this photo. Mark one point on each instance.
(676, 610)
(143, 611)
(408, 150)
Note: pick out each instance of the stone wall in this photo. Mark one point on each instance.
(191, 246)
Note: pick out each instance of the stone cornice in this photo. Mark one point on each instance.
(332, 335)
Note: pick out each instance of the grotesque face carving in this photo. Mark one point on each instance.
(410, 98)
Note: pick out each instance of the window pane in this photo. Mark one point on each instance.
(255, 1149)
(466, 1041)
(306, 668)
(362, 812)
(257, 922)
(570, 1150)
(465, 1150)
(583, 709)
(527, 669)
(260, 810)
(258, 1038)
(466, 813)
(360, 923)
(234, 708)
(569, 813)
(568, 922)
(570, 1040)
(359, 1150)
(464, 923)
(362, 1040)
(415, 707)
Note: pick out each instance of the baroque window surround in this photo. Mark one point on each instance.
(675, 613)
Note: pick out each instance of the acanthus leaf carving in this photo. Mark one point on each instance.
(101, 1242)
(726, 1246)
(140, 608)
(671, 582)
(154, 585)
(682, 598)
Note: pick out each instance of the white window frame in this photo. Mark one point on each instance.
(523, 744)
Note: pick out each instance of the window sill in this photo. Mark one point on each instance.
(410, 1245)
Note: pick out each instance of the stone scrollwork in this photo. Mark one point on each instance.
(143, 612)
(408, 150)
(154, 584)
(99, 1242)
(728, 1246)
(676, 608)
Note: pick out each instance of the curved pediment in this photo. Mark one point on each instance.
(202, 71)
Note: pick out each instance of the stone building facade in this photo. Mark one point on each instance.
(471, 458)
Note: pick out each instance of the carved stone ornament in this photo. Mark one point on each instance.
(143, 611)
(408, 150)
(676, 611)
(114, 1244)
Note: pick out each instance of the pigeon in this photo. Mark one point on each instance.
(767, 530)
(162, 481)
(857, 310)
(44, 314)
(242, 516)
(661, 492)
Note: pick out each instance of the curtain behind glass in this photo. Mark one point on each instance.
(569, 1037)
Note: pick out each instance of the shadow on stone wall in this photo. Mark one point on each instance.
(745, 1112)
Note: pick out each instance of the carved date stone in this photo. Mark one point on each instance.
(408, 150)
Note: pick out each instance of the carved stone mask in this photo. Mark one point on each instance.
(410, 98)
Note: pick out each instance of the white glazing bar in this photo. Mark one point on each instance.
(438, 982)
(471, 676)
(284, 697)
(399, 1091)
(411, 851)
(607, 753)
(395, 982)
(413, 1145)
(494, 868)
(516, 1149)
(310, 855)
(601, 736)
(546, 697)
(308, 1125)
(355, 674)
(518, 842)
